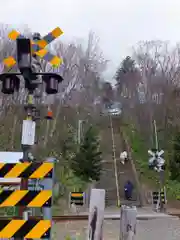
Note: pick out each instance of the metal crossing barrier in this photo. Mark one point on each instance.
(158, 197)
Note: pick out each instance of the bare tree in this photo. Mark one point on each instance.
(158, 62)
(81, 69)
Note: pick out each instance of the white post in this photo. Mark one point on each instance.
(156, 136)
(128, 223)
(96, 214)
(25, 215)
(79, 131)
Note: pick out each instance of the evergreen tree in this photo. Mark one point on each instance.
(108, 94)
(127, 77)
(68, 145)
(87, 162)
(127, 66)
(174, 165)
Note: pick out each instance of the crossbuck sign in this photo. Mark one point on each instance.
(156, 156)
(37, 47)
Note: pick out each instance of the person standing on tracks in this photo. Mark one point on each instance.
(128, 189)
(93, 224)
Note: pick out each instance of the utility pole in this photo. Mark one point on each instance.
(156, 136)
(79, 130)
(160, 170)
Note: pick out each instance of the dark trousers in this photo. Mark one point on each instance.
(92, 233)
(127, 195)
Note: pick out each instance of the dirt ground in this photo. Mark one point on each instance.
(173, 206)
(164, 228)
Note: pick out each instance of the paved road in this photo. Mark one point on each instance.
(156, 229)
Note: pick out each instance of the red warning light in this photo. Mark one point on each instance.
(49, 114)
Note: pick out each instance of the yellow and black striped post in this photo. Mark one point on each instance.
(155, 197)
(163, 196)
(159, 198)
(26, 170)
(28, 198)
(27, 229)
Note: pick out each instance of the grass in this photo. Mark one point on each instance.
(147, 176)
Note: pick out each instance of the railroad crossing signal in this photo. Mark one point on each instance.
(26, 49)
(156, 160)
(37, 47)
(155, 154)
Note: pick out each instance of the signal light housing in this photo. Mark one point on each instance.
(51, 86)
(36, 114)
(29, 85)
(52, 81)
(10, 84)
(24, 54)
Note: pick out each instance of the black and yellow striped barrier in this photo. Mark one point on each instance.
(26, 170)
(12, 198)
(25, 229)
(158, 196)
(77, 198)
(163, 197)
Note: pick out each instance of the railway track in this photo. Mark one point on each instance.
(82, 217)
(55, 218)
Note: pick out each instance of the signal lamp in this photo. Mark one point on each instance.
(24, 55)
(52, 81)
(10, 84)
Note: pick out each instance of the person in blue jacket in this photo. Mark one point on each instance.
(128, 189)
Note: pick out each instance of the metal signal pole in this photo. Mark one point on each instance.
(28, 137)
(28, 129)
(156, 136)
(161, 172)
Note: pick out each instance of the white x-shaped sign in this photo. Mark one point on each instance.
(153, 154)
(157, 155)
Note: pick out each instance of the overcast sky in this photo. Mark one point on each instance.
(119, 23)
